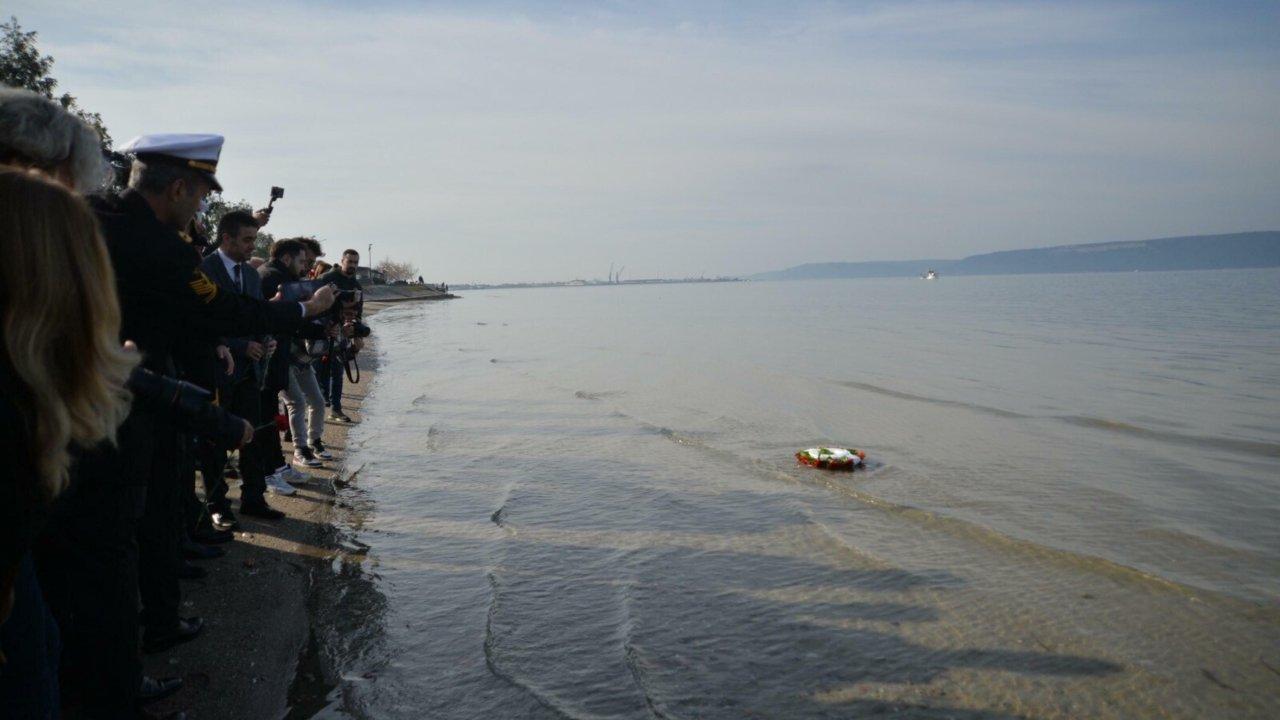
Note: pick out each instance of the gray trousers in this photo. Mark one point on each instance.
(305, 405)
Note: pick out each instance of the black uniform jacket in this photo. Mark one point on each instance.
(164, 300)
(163, 293)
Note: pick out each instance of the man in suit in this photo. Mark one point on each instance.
(244, 359)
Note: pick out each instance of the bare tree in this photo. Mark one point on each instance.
(395, 270)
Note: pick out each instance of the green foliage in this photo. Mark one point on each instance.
(22, 65)
(262, 245)
(219, 206)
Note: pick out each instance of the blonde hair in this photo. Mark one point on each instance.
(60, 323)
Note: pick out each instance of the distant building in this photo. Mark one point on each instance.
(369, 276)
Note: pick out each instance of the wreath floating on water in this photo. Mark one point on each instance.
(831, 458)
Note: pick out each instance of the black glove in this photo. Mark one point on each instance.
(188, 406)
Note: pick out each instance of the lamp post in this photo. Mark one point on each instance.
(370, 256)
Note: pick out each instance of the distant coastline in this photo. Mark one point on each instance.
(1195, 252)
(593, 283)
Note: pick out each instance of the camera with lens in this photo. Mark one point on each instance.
(348, 297)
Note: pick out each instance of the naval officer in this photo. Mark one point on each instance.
(165, 299)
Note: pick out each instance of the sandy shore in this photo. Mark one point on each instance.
(255, 599)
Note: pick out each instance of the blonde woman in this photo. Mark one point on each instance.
(63, 374)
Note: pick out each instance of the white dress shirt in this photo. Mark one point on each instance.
(231, 268)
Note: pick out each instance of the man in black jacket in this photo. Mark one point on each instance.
(240, 386)
(289, 258)
(165, 298)
(343, 276)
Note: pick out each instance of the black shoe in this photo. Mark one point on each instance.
(187, 571)
(212, 536)
(223, 520)
(260, 509)
(319, 450)
(339, 416)
(302, 455)
(154, 689)
(183, 630)
(192, 550)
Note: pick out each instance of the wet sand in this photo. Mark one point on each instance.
(255, 599)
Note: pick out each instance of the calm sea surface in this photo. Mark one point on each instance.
(583, 502)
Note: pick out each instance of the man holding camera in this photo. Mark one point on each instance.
(329, 370)
(289, 260)
(303, 399)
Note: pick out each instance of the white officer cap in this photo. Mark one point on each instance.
(198, 151)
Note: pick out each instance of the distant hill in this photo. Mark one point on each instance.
(835, 270)
(1196, 252)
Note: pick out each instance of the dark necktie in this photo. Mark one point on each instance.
(239, 282)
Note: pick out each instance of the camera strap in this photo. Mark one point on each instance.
(352, 367)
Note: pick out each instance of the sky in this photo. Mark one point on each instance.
(527, 141)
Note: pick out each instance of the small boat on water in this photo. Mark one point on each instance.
(930, 274)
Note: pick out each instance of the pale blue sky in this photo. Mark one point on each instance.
(539, 141)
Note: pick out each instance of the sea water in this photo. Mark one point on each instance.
(583, 502)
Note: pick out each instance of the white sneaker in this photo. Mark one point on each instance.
(293, 475)
(279, 486)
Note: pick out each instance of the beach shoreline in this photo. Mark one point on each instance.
(256, 657)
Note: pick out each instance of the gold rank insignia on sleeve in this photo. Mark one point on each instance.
(202, 286)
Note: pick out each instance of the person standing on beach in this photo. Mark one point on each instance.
(241, 387)
(329, 373)
(57, 300)
(303, 399)
(165, 298)
(289, 258)
(86, 555)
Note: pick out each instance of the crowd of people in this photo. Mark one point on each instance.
(139, 351)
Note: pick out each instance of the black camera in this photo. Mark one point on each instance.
(361, 330)
(300, 290)
(276, 194)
